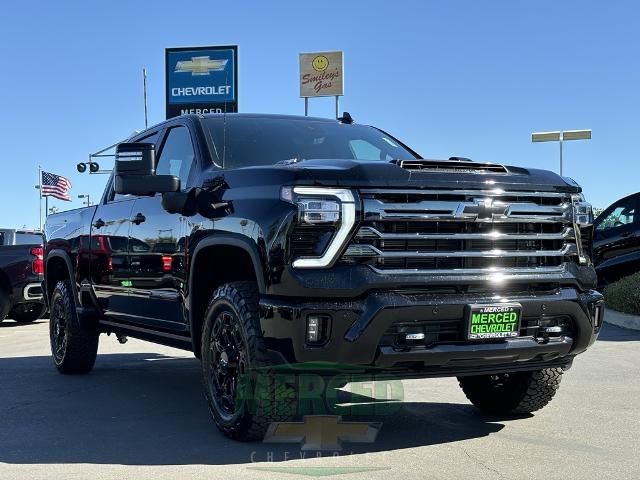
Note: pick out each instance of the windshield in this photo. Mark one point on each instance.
(252, 141)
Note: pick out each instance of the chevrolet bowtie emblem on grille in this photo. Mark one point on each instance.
(483, 209)
(322, 432)
(200, 66)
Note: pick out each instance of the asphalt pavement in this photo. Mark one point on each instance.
(141, 414)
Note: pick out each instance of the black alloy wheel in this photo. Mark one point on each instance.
(58, 331)
(228, 364)
(243, 391)
(74, 346)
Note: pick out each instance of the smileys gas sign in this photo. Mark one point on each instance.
(321, 74)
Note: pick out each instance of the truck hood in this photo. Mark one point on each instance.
(401, 174)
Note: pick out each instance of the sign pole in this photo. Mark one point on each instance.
(561, 135)
(306, 106)
(337, 106)
(144, 86)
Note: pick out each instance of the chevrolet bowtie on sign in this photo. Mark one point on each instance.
(201, 66)
(201, 80)
(321, 74)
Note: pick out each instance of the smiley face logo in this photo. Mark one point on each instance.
(320, 63)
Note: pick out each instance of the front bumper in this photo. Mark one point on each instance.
(357, 327)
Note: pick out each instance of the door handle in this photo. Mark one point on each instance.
(138, 219)
(99, 223)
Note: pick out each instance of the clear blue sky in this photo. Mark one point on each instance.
(469, 78)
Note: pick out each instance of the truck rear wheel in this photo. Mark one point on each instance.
(28, 312)
(74, 347)
(512, 393)
(242, 390)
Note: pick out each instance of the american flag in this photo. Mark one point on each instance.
(56, 186)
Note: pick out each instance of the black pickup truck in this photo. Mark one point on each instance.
(21, 275)
(265, 243)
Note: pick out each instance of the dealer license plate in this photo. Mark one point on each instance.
(493, 321)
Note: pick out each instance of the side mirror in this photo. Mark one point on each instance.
(135, 171)
(176, 202)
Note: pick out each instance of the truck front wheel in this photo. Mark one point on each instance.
(74, 347)
(242, 390)
(512, 393)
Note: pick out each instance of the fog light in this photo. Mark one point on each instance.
(317, 329)
(555, 329)
(553, 326)
(411, 336)
(414, 336)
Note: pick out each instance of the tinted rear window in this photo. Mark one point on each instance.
(28, 238)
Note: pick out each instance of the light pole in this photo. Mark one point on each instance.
(87, 201)
(561, 137)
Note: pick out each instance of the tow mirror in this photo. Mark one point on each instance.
(135, 171)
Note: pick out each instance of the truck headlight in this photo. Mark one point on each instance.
(583, 226)
(323, 207)
(582, 210)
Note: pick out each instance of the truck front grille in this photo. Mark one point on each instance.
(464, 231)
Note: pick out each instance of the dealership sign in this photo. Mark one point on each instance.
(321, 74)
(201, 80)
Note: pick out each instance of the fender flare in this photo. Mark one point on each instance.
(224, 239)
(59, 253)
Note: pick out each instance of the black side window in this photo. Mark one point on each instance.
(177, 155)
(620, 216)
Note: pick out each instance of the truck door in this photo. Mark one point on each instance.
(616, 246)
(108, 246)
(157, 250)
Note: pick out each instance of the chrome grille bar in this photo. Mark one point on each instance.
(370, 232)
(371, 251)
(451, 210)
(493, 271)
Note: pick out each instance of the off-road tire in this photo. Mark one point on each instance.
(512, 393)
(267, 397)
(79, 344)
(4, 304)
(28, 316)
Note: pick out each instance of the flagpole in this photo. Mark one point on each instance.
(40, 193)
